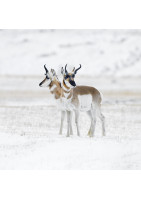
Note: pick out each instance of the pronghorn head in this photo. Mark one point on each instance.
(48, 79)
(68, 78)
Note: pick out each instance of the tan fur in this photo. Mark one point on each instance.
(65, 85)
(74, 94)
(84, 90)
(79, 90)
(57, 90)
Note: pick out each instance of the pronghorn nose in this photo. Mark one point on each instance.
(73, 83)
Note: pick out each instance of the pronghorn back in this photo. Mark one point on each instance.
(86, 90)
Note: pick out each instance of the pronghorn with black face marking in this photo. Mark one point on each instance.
(71, 98)
(51, 81)
(80, 98)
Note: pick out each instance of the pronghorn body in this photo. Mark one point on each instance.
(88, 99)
(83, 98)
(51, 81)
(79, 98)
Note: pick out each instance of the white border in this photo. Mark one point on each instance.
(52, 185)
(70, 14)
(15, 185)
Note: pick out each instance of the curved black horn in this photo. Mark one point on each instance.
(77, 69)
(46, 69)
(66, 69)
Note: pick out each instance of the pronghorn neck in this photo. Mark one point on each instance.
(65, 88)
(66, 92)
(55, 88)
(51, 84)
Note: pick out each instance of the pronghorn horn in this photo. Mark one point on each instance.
(77, 69)
(46, 69)
(66, 69)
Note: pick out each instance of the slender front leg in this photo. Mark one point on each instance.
(71, 131)
(68, 123)
(62, 121)
(77, 121)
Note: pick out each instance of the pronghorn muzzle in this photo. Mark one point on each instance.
(40, 84)
(72, 83)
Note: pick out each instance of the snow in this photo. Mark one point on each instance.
(73, 153)
(30, 119)
(101, 52)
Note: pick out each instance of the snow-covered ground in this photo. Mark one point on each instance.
(29, 120)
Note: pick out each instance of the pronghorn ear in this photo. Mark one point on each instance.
(62, 71)
(53, 72)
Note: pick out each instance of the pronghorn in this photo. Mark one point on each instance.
(74, 99)
(51, 81)
(53, 84)
(80, 98)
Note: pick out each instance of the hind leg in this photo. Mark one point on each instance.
(93, 122)
(90, 115)
(103, 124)
(102, 118)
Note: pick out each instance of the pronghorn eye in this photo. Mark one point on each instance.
(73, 76)
(67, 76)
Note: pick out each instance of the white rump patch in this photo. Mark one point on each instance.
(85, 102)
(101, 97)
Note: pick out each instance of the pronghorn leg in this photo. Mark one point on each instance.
(90, 115)
(93, 122)
(102, 118)
(71, 131)
(62, 121)
(68, 123)
(77, 121)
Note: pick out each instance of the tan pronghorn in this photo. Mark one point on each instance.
(80, 98)
(74, 99)
(51, 81)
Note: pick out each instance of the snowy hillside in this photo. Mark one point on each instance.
(101, 52)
